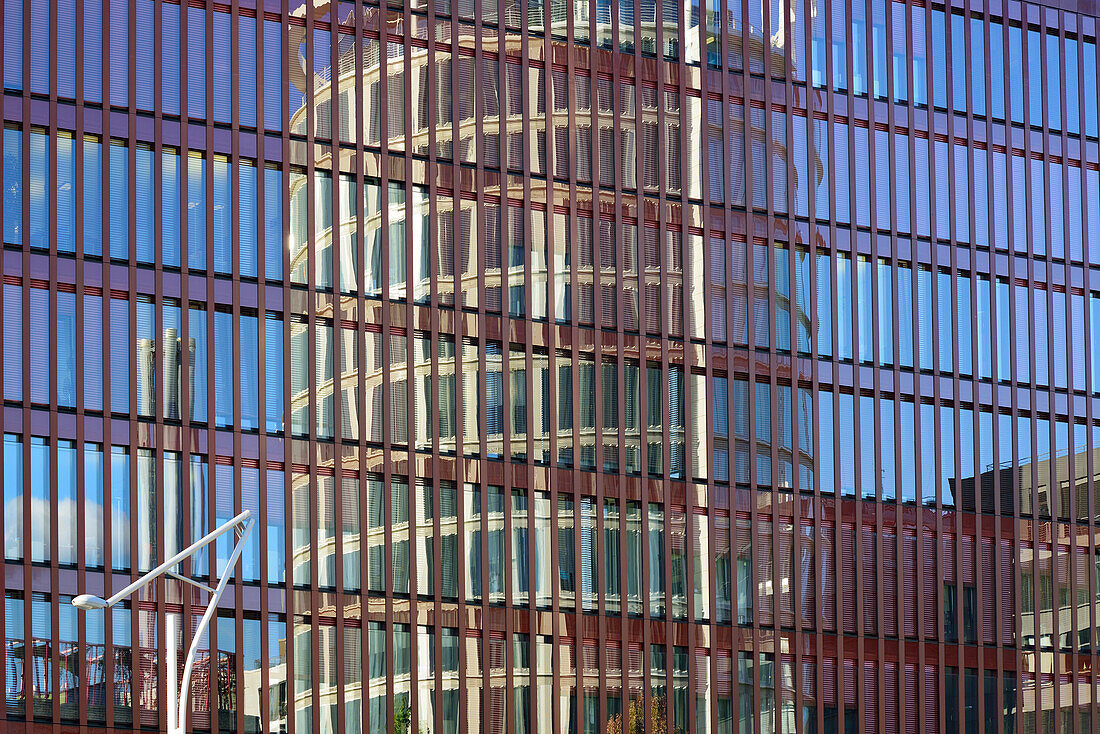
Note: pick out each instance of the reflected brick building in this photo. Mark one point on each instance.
(590, 366)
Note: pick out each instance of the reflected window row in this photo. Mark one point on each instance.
(197, 211)
(907, 56)
(524, 262)
(881, 66)
(954, 456)
(101, 352)
(919, 316)
(978, 195)
(549, 550)
(107, 490)
(518, 683)
(570, 409)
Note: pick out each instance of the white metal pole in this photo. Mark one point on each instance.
(204, 623)
(171, 625)
(177, 714)
(175, 560)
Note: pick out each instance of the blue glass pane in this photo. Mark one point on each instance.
(120, 197)
(145, 74)
(196, 211)
(37, 46)
(170, 207)
(996, 72)
(224, 369)
(66, 193)
(197, 331)
(13, 497)
(93, 50)
(249, 370)
(38, 226)
(170, 58)
(145, 208)
(273, 224)
(246, 70)
(1055, 82)
(246, 220)
(273, 85)
(66, 48)
(222, 234)
(93, 197)
(196, 62)
(1035, 77)
(976, 70)
(222, 71)
(119, 56)
(13, 44)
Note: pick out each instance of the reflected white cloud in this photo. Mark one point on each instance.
(70, 517)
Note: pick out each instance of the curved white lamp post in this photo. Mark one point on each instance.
(242, 526)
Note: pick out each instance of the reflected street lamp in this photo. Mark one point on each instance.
(241, 525)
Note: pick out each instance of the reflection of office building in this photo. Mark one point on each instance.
(588, 365)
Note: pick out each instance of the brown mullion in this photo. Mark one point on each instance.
(314, 325)
(1090, 465)
(790, 53)
(386, 337)
(460, 465)
(210, 159)
(361, 105)
(645, 639)
(956, 408)
(1067, 665)
(663, 489)
(237, 660)
(292, 597)
(458, 325)
(55, 436)
(189, 566)
(937, 600)
(815, 501)
(572, 341)
(24, 177)
(755, 493)
(581, 485)
(876, 421)
(552, 361)
(1035, 516)
(847, 98)
(577, 478)
(895, 310)
(434, 560)
(502, 212)
(979, 509)
(3, 357)
(799, 504)
(772, 267)
(910, 141)
(106, 519)
(509, 326)
(335, 255)
(410, 366)
(263, 539)
(531, 336)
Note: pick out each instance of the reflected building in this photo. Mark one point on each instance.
(589, 366)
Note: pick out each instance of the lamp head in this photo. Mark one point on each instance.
(89, 601)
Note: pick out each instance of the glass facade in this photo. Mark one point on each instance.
(589, 366)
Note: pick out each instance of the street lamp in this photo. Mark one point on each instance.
(242, 527)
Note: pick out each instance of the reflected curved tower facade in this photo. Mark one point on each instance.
(616, 365)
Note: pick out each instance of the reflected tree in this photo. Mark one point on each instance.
(636, 718)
